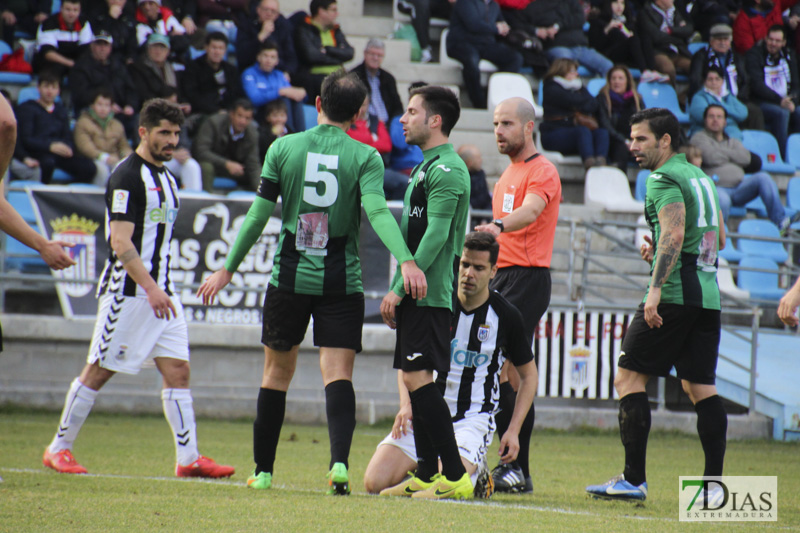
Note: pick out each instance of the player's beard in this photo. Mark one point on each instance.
(157, 152)
(513, 146)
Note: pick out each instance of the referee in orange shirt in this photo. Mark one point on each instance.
(525, 210)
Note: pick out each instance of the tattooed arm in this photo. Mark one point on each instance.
(671, 219)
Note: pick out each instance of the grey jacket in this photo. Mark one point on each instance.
(726, 158)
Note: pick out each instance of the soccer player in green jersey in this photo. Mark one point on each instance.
(678, 324)
(323, 177)
(434, 225)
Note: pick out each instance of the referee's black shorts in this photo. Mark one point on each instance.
(688, 340)
(528, 288)
(423, 337)
(338, 319)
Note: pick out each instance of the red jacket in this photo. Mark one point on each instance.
(381, 141)
(749, 28)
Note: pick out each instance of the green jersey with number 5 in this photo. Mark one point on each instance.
(321, 175)
(693, 281)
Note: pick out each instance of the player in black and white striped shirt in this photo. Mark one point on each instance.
(139, 316)
(486, 330)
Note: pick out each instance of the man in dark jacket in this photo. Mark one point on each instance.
(118, 19)
(475, 27)
(254, 31)
(155, 76)
(99, 68)
(320, 45)
(61, 39)
(664, 31)
(384, 102)
(210, 83)
(23, 16)
(775, 85)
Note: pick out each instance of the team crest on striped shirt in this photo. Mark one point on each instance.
(483, 332)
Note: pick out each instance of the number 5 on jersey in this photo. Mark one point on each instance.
(315, 174)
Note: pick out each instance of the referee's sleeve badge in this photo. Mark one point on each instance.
(120, 202)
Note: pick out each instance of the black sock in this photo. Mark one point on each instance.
(525, 431)
(340, 406)
(508, 398)
(438, 424)
(712, 426)
(270, 410)
(427, 459)
(634, 428)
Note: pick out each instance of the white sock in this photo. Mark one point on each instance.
(180, 414)
(77, 407)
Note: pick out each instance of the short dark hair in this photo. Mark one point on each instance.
(103, 91)
(269, 44)
(481, 241)
(440, 101)
(416, 85)
(724, 111)
(241, 103)
(713, 68)
(157, 109)
(216, 36)
(48, 76)
(316, 5)
(777, 27)
(661, 122)
(275, 105)
(71, 2)
(341, 95)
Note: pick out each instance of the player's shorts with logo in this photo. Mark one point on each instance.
(423, 337)
(338, 319)
(474, 434)
(688, 340)
(127, 333)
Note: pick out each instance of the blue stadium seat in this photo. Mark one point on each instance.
(662, 95)
(774, 251)
(793, 193)
(27, 260)
(310, 116)
(21, 203)
(761, 285)
(16, 78)
(641, 185)
(27, 93)
(225, 184)
(793, 150)
(594, 85)
(245, 195)
(695, 47)
(730, 253)
(765, 145)
(61, 177)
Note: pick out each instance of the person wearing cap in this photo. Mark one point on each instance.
(152, 17)
(61, 39)
(119, 20)
(155, 76)
(720, 54)
(99, 68)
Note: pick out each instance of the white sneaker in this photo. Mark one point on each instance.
(649, 76)
(427, 55)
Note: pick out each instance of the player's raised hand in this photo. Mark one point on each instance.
(55, 256)
(213, 284)
(402, 422)
(509, 447)
(787, 308)
(161, 303)
(388, 306)
(414, 281)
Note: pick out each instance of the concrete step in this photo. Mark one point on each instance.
(366, 25)
(432, 73)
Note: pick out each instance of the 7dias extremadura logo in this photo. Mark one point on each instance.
(728, 499)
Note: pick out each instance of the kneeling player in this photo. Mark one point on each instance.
(486, 330)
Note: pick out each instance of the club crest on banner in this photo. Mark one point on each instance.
(79, 231)
(483, 332)
(579, 366)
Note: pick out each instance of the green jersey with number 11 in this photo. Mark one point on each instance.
(693, 281)
(321, 175)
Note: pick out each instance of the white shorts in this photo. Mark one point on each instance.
(474, 434)
(127, 333)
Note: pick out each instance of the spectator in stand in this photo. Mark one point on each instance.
(219, 15)
(210, 83)
(384, 102)
(560, 27)
(371, 131)
(708, 13)
(101, 137)
(186, 13)
(421, 12)
(155, 76)
(99, 68)
(754, 20)
(45, 135)
(182, 165)
(719, 53)
(476, 27)
(152, 17)
(563, 96)
(268, 24)
(617, 101)
(263, 83)
(320, 45)
(120, 23)
(61, 39)
(664, 31)
(712, 93)
(23, 16)
(22, 166)
(227, 145)
(404, 156)
(479, 196)
(775, 85)
(612, 34)
(731, 162)
(274, 126)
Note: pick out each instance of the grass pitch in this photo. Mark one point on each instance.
(132, 487)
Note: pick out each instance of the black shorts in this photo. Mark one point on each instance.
(338, 320)
(423, 337)
(528, 288)
(687, 340)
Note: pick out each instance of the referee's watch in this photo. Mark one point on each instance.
(499, 223)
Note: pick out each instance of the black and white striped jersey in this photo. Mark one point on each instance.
(146, 195)
(480, 341)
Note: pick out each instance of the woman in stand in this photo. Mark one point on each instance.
(715, 92)
(618, 100)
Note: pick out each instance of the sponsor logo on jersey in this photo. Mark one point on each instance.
(466, 358)
(163, 214)
(414, 356)
(483, 332)
(416, 212)
(80, 232)
(656, 176)
(120, 201)
(443, 168)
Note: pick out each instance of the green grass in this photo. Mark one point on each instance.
(132, 487)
